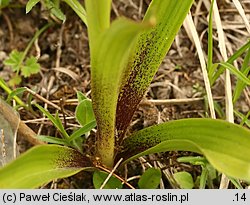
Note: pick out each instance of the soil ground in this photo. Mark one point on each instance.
(63, 54)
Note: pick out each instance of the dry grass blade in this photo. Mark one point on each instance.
(68, 72)
(189, 25)
(242, 13)
(228, 90)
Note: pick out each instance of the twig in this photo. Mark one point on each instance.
(38, 49)
(176, 101)
(6, 18)
(156, 102)
(59, 45)
(111, 173)
(114, 174)
(42, 98)
(39, 120)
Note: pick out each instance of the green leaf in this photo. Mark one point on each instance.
(80, 96)
(236, 183)
(98, 18)
(208, 172)
(84, 112)
(15, 80)
(14, 60)
(240, 85)
(210, 42)
(55, 10)
(150, 179)
(150, 50)
(30, 4)
(225, 145)
(99, 177)
(184, 179)
(59, 126)
(55, 120)
(15, 92)
(4, 3)
(40, 165)
(106, 69)
(236, 72)
(78, 8)
(198, 160)
(236, 55)
(31, 67)
(53, 140)
(83, 130)
(244, 118)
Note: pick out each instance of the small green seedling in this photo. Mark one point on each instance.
(125, 56)
(22, 65)
(150, 179)
(85, 117)
(52, 5)
(208, 173)
(101, 180)
(4, 3)
(184, 180)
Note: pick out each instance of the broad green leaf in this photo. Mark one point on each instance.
(84, 112)
(40, 165)
(225, 145)
(184, 179)
(83, 130)
(150, 179)
(31, 67)
(106, 69)
(151, 48)
(14, 60)
(99, 177)
(98, 18)
(30, 4)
